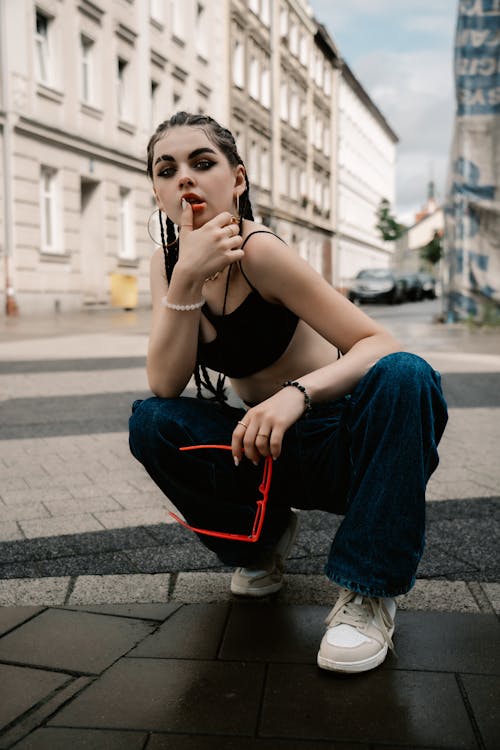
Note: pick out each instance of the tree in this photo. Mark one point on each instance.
(433, 251)
(387, 225)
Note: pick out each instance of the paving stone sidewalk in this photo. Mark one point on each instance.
(232, 675)
(117, 631)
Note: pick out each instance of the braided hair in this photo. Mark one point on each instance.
(223, 139)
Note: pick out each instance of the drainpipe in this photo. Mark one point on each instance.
(10, 299)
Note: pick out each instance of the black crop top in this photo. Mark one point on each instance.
(251, 337)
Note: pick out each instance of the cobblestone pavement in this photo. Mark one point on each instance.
(117, 629)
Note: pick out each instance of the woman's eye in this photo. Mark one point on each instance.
(204, 164)
(166, 172)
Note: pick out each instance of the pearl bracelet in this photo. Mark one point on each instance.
(182, 308)
(307, 398)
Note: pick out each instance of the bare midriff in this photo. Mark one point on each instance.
(307, 351)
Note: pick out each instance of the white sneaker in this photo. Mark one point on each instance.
(359, 633)
(267, 577)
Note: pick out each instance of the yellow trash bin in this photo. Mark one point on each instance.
(123, 291)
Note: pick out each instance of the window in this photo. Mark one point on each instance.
(265, 177)
(48, 198)
(284, 22)
(318, 194)
(254, 6)
(254, 163)
(86, 57)
(326, 198)
(125, 239)
(326, 141)
(328, 82)
(155, 86)
(294, 39)
(266, 12)
(303, 184)
(284, 101)
(254, 78)
(43, 61)
(156, 10)
(318, 77)
(284, 177)
(294, 183)
(303, 49)
(265, 89)
(122, 89)
(294, 110)
(238, 65)
(201, 31)
(318, 135)
(178, 19)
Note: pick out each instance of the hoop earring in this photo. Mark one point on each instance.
(153, 222)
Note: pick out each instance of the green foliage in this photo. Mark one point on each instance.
(433, 251)
(387, 225)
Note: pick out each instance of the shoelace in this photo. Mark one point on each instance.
(347, 611)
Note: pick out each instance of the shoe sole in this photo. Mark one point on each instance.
(354, 666)
(256, 593)
(274, 587)
(351, 667)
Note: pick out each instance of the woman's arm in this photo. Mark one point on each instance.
(173, 341)
(283, 277)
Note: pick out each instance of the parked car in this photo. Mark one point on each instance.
(376, 285)
(413, 286)
(428, 285)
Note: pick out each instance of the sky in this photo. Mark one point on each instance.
(401, 51)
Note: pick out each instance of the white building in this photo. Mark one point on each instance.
(284, 70)
(366, 175)
(428, 222)
(84, 84)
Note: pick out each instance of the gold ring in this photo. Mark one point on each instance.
(243, 424)
(262, 434)
(234, 220)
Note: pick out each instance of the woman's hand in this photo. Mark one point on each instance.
(204, 251)
(260, 432)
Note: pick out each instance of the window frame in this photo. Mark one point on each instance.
(87, 46)
(126, 245)
(43, 49)
(49, 205)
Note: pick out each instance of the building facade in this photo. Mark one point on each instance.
(84, 84)
(284, 69)
(366, 174)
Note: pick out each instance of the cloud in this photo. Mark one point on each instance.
(414, 90)
(434, 24)
(402, 53)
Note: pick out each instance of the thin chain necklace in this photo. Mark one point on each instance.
(213, 276)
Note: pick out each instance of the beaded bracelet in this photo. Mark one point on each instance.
(307, 398)
(182, 308)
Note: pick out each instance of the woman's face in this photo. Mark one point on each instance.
(186, 164)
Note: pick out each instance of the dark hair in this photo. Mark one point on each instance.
(223, 139)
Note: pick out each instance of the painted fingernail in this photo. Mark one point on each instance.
(183, 203)
(236, 461)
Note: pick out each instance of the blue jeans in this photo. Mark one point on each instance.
(367, 456)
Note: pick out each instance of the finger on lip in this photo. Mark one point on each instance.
(193, 200)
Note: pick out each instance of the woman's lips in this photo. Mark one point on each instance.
(196, 203)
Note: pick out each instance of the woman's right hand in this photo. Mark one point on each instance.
(204, 251)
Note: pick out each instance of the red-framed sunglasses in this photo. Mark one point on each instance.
(260, 512)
